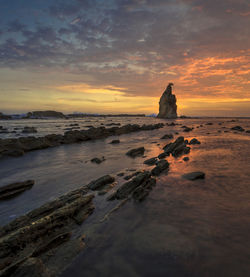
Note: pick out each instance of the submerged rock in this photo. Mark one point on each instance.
(194, 175)
(136, 152)
(101, 182)
(167, 104)
(14, 189)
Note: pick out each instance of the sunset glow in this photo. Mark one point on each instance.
(118, 56)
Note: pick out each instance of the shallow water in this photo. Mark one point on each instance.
(183, 228)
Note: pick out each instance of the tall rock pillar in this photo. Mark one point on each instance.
(167, 104)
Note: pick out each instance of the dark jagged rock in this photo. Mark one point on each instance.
(167, 136)
(136, 152)
(185, 159)
(41, 230)
(19, 146)
(238, 128)
(194, 175)
(177, 148)
(101, 182)
(27, 129)
(160, 167)
(14, 189)
(115, 141)
(167, 104)
(151, 161)
(138, 187)
(194, 141)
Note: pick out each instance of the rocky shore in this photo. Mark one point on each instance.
(18, 147)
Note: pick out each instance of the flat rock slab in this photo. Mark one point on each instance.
(14, 189)
(194, 175)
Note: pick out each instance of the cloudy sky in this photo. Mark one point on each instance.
(117, 56)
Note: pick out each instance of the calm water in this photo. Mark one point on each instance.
(183, 228)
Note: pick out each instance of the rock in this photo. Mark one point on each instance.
(151, 161)
(27, 129)
(120, 174)
(42, 230)
(132, 175)
(136, 152)
(3, 116)
(185, 159)
(97, 160)
(163, 155)
(45, 114)
(74, 124)
(14, 189)
(139, 186)
(238, 128)
(19, 146)
(209, 123)
(113, 124)
(160, 167)
(32, 267)
(101, 182)
(187, 129)
(115, 141)
(167, 104)
(177, 148)
(194, 175)
(247, 131)
(167, 136)
(194, 141)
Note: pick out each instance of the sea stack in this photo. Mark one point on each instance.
(167, 104)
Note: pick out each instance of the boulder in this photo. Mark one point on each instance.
(167, 104)
(97, 160)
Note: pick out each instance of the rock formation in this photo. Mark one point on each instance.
(167, 104)
(45, 114)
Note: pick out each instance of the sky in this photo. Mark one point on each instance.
(118, 56)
